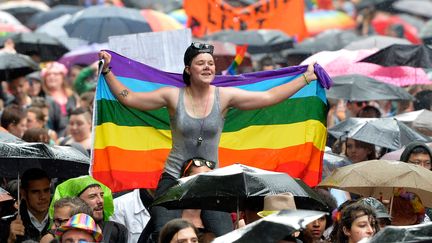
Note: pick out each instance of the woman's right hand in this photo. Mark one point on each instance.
(106, 57)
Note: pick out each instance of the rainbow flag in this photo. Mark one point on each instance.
(130, 146)
(238, 59)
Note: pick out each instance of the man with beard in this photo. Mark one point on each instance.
(33, 220)
(99, 198)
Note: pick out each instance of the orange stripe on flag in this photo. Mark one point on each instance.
(146, 161)
(119, 180)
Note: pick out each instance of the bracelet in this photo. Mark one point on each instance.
(305, 79)
(105, 72)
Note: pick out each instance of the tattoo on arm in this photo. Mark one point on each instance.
(124, 93)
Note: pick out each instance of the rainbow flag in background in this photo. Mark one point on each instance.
(130, 146)
(238, 59)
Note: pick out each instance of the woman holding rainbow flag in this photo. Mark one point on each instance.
(197, 114)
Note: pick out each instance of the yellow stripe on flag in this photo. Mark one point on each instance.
(276, 136)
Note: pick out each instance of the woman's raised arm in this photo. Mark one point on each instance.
(139, 100)
(248, 100)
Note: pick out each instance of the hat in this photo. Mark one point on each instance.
(192, 51)
(380, 209)
(84, 222)
(275, 203)
(54, 67)
(75, 186)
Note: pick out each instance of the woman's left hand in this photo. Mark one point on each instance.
(310, 72)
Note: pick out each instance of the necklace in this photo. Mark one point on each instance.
(200, 138)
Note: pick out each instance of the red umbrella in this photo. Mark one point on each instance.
(383, 22)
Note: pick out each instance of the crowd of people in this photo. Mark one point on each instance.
(55, 106)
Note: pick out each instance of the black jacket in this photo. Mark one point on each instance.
(31, 232)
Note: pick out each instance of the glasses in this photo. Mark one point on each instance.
(199, 163)
(202, 47)
(202, 162)
(59, 222)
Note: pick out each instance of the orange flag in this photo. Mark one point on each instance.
(207, 16)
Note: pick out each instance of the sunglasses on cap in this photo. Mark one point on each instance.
(198, 163)
(202, 47)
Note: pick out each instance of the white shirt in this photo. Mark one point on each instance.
(39, 225)
(130, 211)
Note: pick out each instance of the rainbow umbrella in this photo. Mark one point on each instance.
(320, 20)
(160, 21)
(179, 15)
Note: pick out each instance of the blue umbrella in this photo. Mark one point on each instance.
(95, 24)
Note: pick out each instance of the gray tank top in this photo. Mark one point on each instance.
(186, 130)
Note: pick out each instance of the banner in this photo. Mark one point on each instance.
(207, 16)
(131, 146)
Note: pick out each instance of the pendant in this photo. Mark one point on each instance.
(199, 141)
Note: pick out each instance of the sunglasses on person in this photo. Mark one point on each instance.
(202, 47)
(59, 222)
(199, 163)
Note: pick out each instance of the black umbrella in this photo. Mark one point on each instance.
(97, 23)
(356, 87)
(15, 65)
(329, 40)
(415, 7)
(272, 228)
(48, 48)
(402, 55)
(412, 233)
(375, 41)
(23, 9)
(228, 188)
(59, 10)
(57, 161)
(384, 132)
(376, 4)
(258, 41)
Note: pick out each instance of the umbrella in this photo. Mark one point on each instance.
(4, 196)
(419, 120)
(160, 5)
(15, 65)
(320, 20)
(47, 47)
(415, 7)
(412, 233)
(41, 18)
(356, 87)
(105, 21)
(331, 161)
(383, 22)
(345, 62)
(57, 161)
(426, 32)
(23, 9)
(328, 40)
(7, 18)
(258, 41)
(228, 188)
(375, 4)
(384, 132)
(55, 27)
(86, 54)
(375, 41)
(272, 228)
(160, 21)
(379, 178)
(402, 55)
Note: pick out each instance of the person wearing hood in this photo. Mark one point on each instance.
(99, 198)
(417, 153)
